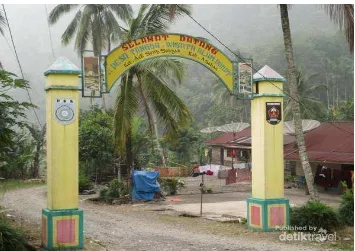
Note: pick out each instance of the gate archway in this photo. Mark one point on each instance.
(128, 54)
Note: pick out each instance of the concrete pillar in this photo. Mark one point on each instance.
(62, 220)
(267, 209)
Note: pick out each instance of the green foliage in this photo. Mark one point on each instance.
(18, 160)
(315, 214)
(11, 238)
(2, 24)
(96, 147)
(344, 111)
(103, 193)
(12, 111)
(8, 185)
(185, 147)
(171, 185)
(84, 182)
(311, 106)
(116, 189)
(290, 178)
(346, 209)
(147, 86)
(96, 23)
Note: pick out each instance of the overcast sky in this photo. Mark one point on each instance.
(238, 26)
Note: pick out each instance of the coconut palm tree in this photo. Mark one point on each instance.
(95, 23)
(343, 15)
(223, 98)
(295, 102)
(146, 85)
(306, 90)
(2, 22)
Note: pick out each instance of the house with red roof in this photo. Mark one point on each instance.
(329, 146)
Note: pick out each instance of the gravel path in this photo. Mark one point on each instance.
(131, 227)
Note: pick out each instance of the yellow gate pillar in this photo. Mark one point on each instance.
(62, 221)
(267, 209)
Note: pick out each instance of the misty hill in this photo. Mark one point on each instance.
(253, 30)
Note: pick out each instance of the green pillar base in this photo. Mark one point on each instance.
(268, 214)
(62, 229)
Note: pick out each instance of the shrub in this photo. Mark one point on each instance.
(116, 189)
(315, 214)
(346, 209)
(103, 193)
(10, 238)
(84, 182)
(171, 185)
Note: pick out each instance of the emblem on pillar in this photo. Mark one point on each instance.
(273, 112)
(64, 110)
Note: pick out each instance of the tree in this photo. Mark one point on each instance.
(295, 103)
(2, 22)
(96, 146)
(312, 108)
(233, 109)
(147, 84)
(345, 111)
(12, 111)
(343, 15)
(96, 23)
(38, 135)
(19, 156)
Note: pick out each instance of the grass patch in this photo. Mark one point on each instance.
(8, 185)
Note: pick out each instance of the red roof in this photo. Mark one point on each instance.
(330, 142)
(227, 137)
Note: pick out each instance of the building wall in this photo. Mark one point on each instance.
(216, 155)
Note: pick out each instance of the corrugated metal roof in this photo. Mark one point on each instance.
(329, 143)
(225, 138)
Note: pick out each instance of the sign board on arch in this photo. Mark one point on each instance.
(179, 45)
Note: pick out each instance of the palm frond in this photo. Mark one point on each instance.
(126, 108)
(59, 11)
(71, 29)
(169, 108)
(136, 26)
(113, 29)
(84, 29)
(169, 69)
(122, 11)
(145, 104)
(343, 15)
(173, 9)
(2, 22)
(98, 35)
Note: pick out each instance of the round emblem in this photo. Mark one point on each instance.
(64, 113)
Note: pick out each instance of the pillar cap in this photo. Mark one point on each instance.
(62, 66)
(267, 74)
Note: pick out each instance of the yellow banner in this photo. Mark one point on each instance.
(178, 45)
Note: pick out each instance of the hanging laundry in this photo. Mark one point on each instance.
(209, 172)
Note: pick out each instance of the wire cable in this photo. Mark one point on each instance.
(49, 31)
(243, 60)
(18, 61)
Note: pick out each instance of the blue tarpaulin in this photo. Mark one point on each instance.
(144, 185)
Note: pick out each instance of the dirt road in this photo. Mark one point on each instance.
(132, 227)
